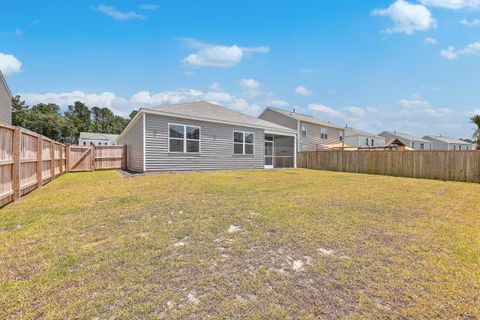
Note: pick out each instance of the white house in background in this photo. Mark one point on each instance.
(446, 143)
(362, 139)
(5, 102)
(409, 140)
(97, 139)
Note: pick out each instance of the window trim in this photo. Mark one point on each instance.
(303, 125)
(243, 143)
(185, 138)
(324, 133)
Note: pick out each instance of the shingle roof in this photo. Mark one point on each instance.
(306, 118)
(205, 111)
(98, 136)
(446, 140)
(2, 79)
(405, 136)
(356, 132)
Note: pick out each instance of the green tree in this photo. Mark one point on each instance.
(19, 112)
(476, 120)
(133, 114)
(80, 117)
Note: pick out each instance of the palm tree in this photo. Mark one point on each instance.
(476, 120)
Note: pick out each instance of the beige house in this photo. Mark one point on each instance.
(5, 102)
(446, 143)
(313, 134)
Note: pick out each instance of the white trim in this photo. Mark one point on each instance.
(185, 138)
(144, 143)
(272, 156)
(6, 84)
(243, 143)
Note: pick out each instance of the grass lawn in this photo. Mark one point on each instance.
(254, 244)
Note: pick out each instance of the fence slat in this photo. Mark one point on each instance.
(441, 165)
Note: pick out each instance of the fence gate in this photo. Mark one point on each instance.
(81, 158)
(91, 158)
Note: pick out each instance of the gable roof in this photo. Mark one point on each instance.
(446, 140)
(356, 132)
(304, 118)
(2, 79)
(98, 136)
(405, 136)
(209, 112)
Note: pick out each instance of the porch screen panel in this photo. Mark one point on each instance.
(284, 152)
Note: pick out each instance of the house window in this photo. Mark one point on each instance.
(372, 142)
(413, 145)
(84, 143)
(243, 142)
(304, 130)
(183, 138)
(459, 147)
(422, 146)
(340, 136)
(324, 133)
(366, 141)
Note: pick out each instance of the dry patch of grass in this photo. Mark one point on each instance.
(254, 244)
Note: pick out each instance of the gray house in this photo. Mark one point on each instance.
(313, 134)
(97, 139)
(409, 140)
(5, 102)
(205, 136)
(446, 143)
(362, 139)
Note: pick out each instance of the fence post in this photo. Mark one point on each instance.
(52, 160)
(67, 158)
(60, 162)
(39, 161)
(93, 155)
(124, 158)
(16, 164)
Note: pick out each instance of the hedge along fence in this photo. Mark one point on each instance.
(440, 165)
(29, 160)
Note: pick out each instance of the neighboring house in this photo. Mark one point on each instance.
(362, 139)
(96, 139)
(5, 102)
(205, 136)
(446, 143)
(408, 139)
(313, 134)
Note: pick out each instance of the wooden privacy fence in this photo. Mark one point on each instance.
(29, 160)
(441, 165)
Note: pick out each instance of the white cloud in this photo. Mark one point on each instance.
(471, 23)
(278, 103)
(407, 17)
(452, 53)
(118, 15)
(317, 107)
(9, 64)
(149, 6)
(452, 4)
(16, 32)
(303, 91)
(250, 84)
(123, 106)
(356, 111)
(221, 56)
(430, 41)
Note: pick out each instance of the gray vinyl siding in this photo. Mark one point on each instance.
(133, 139)
(5, 105)
(313, 140)
(216, 147)
(280, 119)
(441, 145)
(361, 141)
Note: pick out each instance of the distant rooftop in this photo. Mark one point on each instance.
(356, 132)
(447, 140)
(306, 118)
(405, 136)
(98, 136)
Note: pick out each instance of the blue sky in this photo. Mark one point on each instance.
(411, 66)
